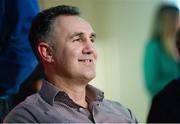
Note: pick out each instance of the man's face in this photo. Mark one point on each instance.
(74, 55)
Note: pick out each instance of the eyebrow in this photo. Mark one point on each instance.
(81, 34)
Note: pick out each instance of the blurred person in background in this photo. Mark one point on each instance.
(17, 60)
(161, 59)
(64, 43)
(165, 105)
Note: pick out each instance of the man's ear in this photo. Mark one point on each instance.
(46, 52)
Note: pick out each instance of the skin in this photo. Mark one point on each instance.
(71, 63)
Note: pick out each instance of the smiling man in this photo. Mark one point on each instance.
(64, 44)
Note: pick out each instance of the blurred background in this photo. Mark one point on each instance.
(122, 28)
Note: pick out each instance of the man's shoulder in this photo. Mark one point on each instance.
(114, 105)
(30, 102)
(118, 108)
(34, 102)
(26, 110)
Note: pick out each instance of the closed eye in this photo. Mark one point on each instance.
(92, 40)
(77, 39)
(93, 37)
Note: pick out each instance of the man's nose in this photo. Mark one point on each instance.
(88, 47)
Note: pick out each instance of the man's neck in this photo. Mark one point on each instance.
(76, 91)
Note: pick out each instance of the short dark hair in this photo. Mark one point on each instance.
(42, 25)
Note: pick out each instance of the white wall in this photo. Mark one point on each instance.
(122, 27)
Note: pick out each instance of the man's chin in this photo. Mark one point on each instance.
(90, 77)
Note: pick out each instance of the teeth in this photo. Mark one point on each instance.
(86, 60)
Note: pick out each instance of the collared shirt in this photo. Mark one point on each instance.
(52, 105)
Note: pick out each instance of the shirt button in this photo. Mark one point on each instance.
(80, 109)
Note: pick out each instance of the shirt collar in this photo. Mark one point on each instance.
(94, 94)
(49, 93)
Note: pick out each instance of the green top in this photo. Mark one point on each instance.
(159, 67)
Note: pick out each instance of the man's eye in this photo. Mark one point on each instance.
(92, 40)
(77, 39)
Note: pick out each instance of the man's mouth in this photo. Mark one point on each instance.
(85, 60)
